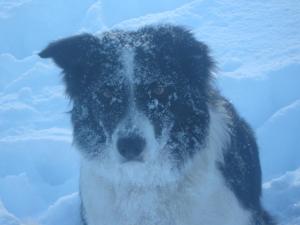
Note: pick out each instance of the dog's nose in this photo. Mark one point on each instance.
(131, 147)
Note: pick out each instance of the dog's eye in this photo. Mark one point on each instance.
(107, 93)
(158, 90)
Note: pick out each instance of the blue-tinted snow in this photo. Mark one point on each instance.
(257, 47)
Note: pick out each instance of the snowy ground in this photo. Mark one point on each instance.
(256, 44)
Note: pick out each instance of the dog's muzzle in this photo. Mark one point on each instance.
(131, 147)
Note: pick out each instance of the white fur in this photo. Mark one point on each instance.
(128, 62)
(197, 195)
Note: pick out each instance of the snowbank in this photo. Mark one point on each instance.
(7, 218)
(282, 197)
(65, 211)
(279, 139)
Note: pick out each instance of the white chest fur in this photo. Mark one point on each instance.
(193, 202)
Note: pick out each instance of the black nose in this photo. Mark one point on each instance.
(131, 147)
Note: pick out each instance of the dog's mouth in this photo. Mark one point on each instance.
(138, 159)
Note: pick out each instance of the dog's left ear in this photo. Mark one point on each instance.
(73, 52)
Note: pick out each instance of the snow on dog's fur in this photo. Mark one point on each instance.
(159, 145)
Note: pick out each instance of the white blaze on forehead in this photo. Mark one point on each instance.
(128, 62)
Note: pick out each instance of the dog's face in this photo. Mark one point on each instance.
(140, 99)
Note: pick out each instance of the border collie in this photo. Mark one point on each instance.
(159, 145)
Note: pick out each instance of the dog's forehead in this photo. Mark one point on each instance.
(136, 59)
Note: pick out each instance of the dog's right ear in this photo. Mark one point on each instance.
(77, 56)
(72, 52)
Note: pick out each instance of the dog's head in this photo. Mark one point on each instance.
(140, 99)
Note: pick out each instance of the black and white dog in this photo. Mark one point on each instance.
(159, 145)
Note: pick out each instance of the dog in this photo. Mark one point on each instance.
(159, 145)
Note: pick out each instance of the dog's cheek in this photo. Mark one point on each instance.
(161, 120)
(88, 134)
(177, 143)
(188, 135)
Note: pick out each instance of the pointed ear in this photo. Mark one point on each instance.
(77, 56)
(72, 52)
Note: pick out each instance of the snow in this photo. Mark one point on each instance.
(285, 147)
(65, 207)
(256, 44)
(282, 196)
(7, 218)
